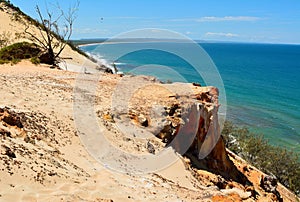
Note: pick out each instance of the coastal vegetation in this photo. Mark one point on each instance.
(273, 160)
(55, 27)
(18, 51)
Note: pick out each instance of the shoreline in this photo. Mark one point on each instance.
(89, 44)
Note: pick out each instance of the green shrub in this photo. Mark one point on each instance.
(3, 62)
(284, 164)
(18, 51)
(75, 48)
(15, 61)
(35, 60)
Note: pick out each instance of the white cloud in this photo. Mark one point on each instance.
(227, 18)
(211, 34)
(219, 19)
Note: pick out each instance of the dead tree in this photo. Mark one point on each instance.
(54, 31)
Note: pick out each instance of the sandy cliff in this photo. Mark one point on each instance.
(43, 158)
(49, 149)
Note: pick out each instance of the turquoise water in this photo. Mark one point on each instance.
(262, 82)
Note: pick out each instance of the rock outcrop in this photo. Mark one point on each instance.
(188, 122)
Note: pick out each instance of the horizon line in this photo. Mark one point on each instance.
(103, 39)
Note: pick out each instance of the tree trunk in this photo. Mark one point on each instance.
(51, 57)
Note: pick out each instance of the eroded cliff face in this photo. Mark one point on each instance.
(189, 124)
(187, 121)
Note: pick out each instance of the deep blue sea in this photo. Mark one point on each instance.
(262, 81)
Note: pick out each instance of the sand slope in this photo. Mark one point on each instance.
(54, 164)
(51, 164)
(8, 24)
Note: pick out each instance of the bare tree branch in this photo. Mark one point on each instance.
(54, 30)
(34, 38)
(42, 27)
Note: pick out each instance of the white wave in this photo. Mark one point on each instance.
(99, 58)
(101, 61)
(119, 63)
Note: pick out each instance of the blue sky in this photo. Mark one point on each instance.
(276, 21)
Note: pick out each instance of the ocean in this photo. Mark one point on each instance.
(262, 81)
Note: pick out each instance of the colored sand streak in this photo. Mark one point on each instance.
(262, 82)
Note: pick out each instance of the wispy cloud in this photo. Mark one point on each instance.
(228, 18)
(222, 34)
(91, 31)
(220, 19)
